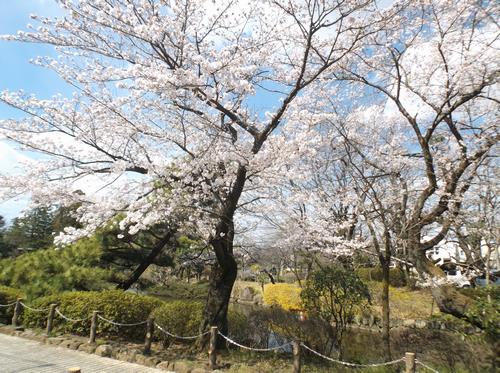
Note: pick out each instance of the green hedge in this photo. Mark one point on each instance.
(178, 317)
(8, 295)
(116, 305)
(184, 318)
(396, 276)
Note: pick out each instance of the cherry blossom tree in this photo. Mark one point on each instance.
(413, 146)
(164, 120)
(435, 78)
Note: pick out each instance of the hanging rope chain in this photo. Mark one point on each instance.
(426, 366)
(179, 336)
(34, 309)
(352, 364)
(121, 324)
(251, 348)
(69, 318)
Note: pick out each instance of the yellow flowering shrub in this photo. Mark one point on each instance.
(287, 296)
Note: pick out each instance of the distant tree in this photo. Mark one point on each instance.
(33, 230)
(5, 248)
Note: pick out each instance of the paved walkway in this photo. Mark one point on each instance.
(21, 355)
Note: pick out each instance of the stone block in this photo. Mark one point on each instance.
(410, 323)
(54, 340)
(87, 347)
(104, 350)
(199, 370)
(420, 324)
(182, 367)
(74, 345)
(150, 361)
(163, 365)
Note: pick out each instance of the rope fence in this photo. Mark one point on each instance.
(409, 359)
(355, 365)
(252, 348)
(179, 336)
(426, 366)
(121, 324)
(7, 305)
(69, 318)
(34, 309)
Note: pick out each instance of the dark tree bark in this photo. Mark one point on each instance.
(224, 270)
(136, 274)
(386, 329)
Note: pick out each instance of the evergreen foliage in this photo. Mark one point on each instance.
(31, 231)
(50, 271)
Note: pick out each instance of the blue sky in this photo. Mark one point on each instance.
(17, 73)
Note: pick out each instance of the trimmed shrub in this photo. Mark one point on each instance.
(115, 305)
(287, 296)
(396, 276)
(8, 295)
(183, 318)
(174, 290)
(178, 317)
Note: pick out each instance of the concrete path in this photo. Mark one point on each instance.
(21, 355)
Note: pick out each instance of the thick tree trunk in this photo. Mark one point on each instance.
(447, 296)
(160, 245)
(221, 281)
(386, 336)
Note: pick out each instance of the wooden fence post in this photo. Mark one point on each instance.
(212, 355)
(296, 357)
(150, 328)
(93, 327)
(17, 312)
(50, 318)
(410, 365)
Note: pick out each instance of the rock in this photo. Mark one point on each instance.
(410, 323)
(150, 361)
(74, 345)
(181, 367)
(87, 347)
(247, 294)
(125, 355)
(420, 324)
(66, 343)
(104, 350)
(54, 340)
(140, 359)
(257, 299)
(29, 334)
(199, 370)
(164, 365)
